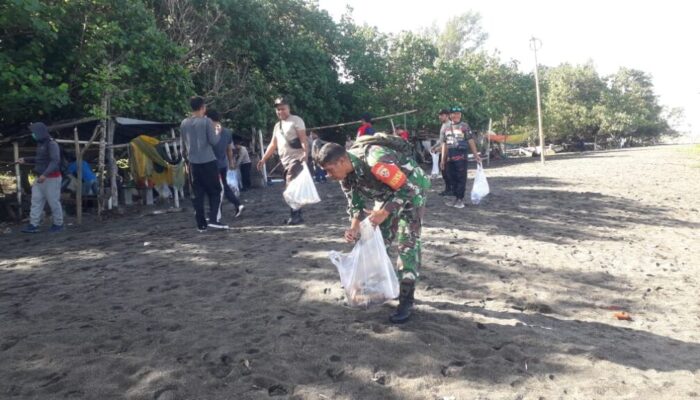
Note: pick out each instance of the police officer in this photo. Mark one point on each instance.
(457, 138)
(290, 141)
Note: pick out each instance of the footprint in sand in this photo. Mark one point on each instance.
(219, 364)
(335, 374)
(454, 368)
(53, 382)
(9, 343)
(166, 393)
(277, 390)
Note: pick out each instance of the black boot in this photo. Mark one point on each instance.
(403, 311)
(295, 218)
(288, 221)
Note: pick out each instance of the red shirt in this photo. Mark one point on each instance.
(365, 129)
(403, 134)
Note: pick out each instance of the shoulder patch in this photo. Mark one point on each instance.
(389, 174)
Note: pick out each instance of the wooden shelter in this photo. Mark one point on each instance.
(109, 135)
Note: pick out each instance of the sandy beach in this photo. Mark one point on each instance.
(516, 299)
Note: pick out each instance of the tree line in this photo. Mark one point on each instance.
(60, 59)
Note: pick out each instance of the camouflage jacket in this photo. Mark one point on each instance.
(381, 174)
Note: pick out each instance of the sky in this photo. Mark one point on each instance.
(657, 37)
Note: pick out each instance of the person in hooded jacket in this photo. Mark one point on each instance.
(47, 186)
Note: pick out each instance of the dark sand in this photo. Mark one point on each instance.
(516, 299)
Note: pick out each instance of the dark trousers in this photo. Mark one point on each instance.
(292, 171)
(206, 182)
(446, 178)
(228, 193)
(457, 176)
(245, 175)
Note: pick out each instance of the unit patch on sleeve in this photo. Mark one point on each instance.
(389, 174)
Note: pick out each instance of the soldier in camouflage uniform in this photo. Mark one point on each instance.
(394, 180)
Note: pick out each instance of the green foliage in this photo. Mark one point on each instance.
(579, 103)
(122, 54)
(63, 59)
(59, 60)
(459, 36)
(572, 101)
(630, 108)
(27, 32)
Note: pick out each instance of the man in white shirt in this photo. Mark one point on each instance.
(292, 146)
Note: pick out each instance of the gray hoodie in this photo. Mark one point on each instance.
(199, 137)
(48, 154)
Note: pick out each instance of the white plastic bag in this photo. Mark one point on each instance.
(301, 190)
(436, 165)
(233, 182)
(366, 272)
(481, 186)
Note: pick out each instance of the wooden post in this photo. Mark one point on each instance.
(101, 169)
(18, 176)
(79, 165)
(79, 186)
(113, 195)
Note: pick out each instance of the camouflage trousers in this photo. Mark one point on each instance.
(405, 226)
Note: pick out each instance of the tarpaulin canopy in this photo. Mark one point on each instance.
(125, 129)
(129, 128)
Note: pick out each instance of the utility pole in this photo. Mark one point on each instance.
(536, 44)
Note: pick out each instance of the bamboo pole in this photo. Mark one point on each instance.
(92, 138)
(18, 176)
(102, 154)
(79, 164)
(79, 185)
(359, 121)
(101, 170)
(69, 141)
(57, 127)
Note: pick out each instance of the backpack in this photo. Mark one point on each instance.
(399, 145)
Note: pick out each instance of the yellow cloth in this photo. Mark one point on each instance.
(143, 157)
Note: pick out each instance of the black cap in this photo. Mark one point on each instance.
(281, 100)
(444, 111)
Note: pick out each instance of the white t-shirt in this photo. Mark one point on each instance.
(243, 156)
(285, 136)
